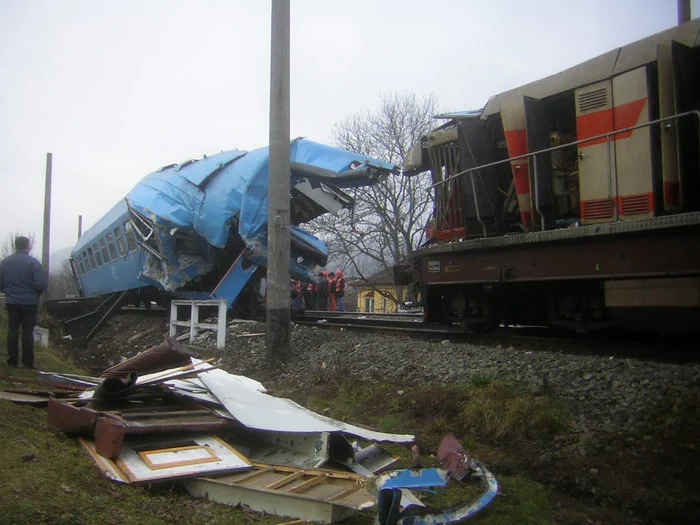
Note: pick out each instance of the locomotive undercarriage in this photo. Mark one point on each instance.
(482, 308)
(646, 280)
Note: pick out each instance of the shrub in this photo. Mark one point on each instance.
(499, 410)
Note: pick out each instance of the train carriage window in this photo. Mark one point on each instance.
(98, 255)
(87, 261)
(120, 241)
(93, 264)
(105, 253)
(130, 237)
(81, 264)
(112, 248)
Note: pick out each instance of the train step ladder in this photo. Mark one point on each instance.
(194, 323)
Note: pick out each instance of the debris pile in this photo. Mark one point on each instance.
(165, 414)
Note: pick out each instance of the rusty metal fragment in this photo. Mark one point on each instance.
(169, 354)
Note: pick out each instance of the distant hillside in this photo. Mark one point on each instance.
(57, 258)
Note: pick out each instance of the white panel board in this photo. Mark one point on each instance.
(147, 460)
(248, 403)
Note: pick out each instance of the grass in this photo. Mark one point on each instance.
(500, 411)
(48, 479)
(521, 501)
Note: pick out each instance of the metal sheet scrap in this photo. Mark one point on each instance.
(225, 437)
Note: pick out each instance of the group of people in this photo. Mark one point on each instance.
(326, 295)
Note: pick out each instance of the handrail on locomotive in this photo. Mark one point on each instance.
(533, 155)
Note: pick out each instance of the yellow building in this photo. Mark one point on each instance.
(378, 294)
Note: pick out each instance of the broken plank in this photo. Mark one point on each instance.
(145, 333)
(285, 480)
(24, 399)
(309, 483)
(317, 486)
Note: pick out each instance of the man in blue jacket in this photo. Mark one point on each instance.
(22, 280)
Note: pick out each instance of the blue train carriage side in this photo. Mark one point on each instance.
(198, 229)
(572, 201)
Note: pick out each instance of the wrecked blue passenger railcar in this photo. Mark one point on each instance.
(198, 229)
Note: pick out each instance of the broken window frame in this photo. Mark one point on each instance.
(149, 241)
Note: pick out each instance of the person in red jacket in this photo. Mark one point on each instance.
(339, 289)
(331, 292)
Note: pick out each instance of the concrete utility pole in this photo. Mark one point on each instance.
(278, 298)
(683, 11)
(46, 236)
(80, 226)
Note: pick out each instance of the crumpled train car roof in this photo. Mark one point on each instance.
(207, 194)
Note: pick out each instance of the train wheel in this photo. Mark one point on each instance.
(482, 326)
(487, 322)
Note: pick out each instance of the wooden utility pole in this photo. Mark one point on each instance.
(46, 236)
(278, 298)
(683, 11)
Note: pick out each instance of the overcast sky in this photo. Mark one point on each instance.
(117, 89)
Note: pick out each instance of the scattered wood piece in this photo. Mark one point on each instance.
(24, 399)
(138, 336)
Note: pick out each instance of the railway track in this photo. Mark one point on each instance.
(642, 346)
(404, 324)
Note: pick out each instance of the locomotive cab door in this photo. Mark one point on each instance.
(541, 190)
(686, 85)
(616, 173)
(633, 149)
(596, 166)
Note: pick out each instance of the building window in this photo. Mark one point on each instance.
(369, 304)
(384, 304)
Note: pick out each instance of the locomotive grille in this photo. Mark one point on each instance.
(598, 209)
(593, 100)
(635, 205)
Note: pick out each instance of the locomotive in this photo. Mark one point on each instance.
(572, 201)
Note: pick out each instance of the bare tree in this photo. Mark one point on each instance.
(8, 247)
(388, 221)
(62, 283)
